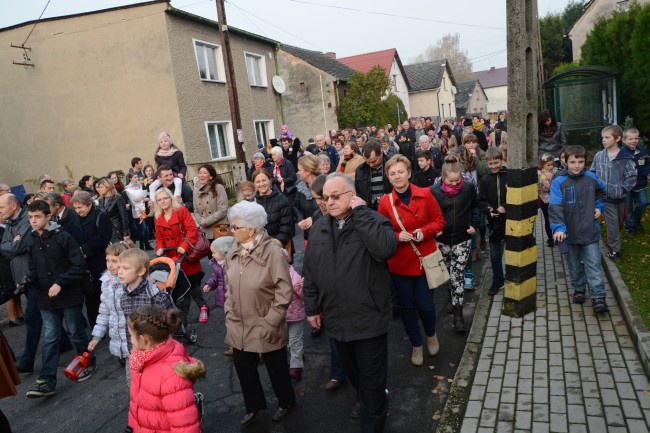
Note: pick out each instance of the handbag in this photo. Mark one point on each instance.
(218, 230)
(199, 250)
(434, 264)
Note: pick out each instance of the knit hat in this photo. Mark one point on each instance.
(165, 135)
(467, 122)
(222, 245)
(260, 146)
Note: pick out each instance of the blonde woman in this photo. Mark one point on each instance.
(304, 204)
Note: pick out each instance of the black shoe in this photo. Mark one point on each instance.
(599, 305)
(148, 247)
(85, 375)
(355, 412)
(18, 322)
(613, 255)
(198, 401)
(494, 289)
(316, 332)
(449, 308)
(459, 321)
(578, 297)
(281, 413)
(41, 389)
(248, 418)
(550, 243)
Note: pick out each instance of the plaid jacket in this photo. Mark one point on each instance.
(145, 294)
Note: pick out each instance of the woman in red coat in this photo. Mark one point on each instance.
(175, 226)
(420, 215)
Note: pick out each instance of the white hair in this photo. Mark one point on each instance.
(349, 181)
(424, 138)
(249, 214)
(277, 150)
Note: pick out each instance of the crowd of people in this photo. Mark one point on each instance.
(371, 204)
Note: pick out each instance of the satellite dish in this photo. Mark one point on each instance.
(454, 90)
(278, 84)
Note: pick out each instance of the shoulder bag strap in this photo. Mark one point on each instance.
(399, 222)
(180, 226)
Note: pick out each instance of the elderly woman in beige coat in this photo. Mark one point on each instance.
(210, 203)
(350, 160)
(259, 294)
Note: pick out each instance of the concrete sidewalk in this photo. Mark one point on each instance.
(560, 369)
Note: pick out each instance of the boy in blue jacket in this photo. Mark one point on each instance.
(576, 197)
(637, 199)
(616, 168)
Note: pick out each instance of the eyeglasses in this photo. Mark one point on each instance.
(335, 197)
(234, 227)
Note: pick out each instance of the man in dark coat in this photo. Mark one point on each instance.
(166, 176)
(406, 141)
(370, 179)
(67, 218)
(320, 146)
(352, 288)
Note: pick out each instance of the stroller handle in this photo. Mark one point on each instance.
(180, 258)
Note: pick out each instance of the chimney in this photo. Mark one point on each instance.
(331, 55)
(492, 68)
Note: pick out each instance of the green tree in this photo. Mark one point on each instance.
(448, 47)
(387, 111)
(552, 29)
(637, 74)
(363, 95)
(563, 67)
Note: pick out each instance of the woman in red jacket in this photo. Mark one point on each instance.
(163, 375)
(420, 215)
(175, 226)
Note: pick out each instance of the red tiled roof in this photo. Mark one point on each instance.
(364, 62)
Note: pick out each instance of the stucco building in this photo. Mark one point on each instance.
(433, 89)
(105, 83)
(593, 10)
(389, 60)
(471, 98)
(316, 84)
(495, 84)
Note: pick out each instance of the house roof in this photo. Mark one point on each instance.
(321, 61)
(427, 75)
(170, 10)
(465, 92)
(364, 62)
(493, 77)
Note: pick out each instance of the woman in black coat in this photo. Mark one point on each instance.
(304, 205)
(113, 204)
(278, 210)
(96, 232)
(283, 174)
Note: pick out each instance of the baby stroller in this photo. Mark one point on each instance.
(167, 275)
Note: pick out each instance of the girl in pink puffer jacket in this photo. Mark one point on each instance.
(162, 375)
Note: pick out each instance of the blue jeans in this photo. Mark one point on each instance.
(589, 271)
(337, 372)
(415, 300)
(52, 326)
(33, 323)
(635, 213)
(496, 260)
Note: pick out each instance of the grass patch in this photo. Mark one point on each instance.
(635, 267)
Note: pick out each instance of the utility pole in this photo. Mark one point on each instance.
(233, 98)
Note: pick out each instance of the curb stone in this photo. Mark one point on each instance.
(454, 412)
(639, 332)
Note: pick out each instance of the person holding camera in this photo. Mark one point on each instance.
(492, 198)
(459, 204)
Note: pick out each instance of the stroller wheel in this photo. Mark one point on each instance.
(192, 336)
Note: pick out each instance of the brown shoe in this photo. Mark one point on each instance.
(228, 352)
(432, 345)
(416, 356)
(333, 385)
(281, 413)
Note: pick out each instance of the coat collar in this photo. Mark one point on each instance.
(258, 254)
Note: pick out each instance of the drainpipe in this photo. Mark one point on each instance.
(322, 97)
(277, 72)
(338, 102)
(438, 104)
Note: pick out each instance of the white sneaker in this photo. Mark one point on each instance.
(432, 345)
(417, 358)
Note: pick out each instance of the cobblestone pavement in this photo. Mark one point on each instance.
(560, 369)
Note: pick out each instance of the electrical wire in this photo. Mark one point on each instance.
(249, 19)
(37, 21)
(397, 16)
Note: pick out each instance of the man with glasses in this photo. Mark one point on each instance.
(370, 180)
(353, 290)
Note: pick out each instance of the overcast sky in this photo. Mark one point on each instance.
(326, 25)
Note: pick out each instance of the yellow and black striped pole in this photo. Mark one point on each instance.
(521, 250)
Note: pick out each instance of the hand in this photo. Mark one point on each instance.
(314, 321)
(159, 252)
(501, 210)
(206, 288)
(127, 237)
(471, 230)
(280, 180)
(597, 214)
(180, 250)
(202, 222)
(559, 237)
(54, 290)
(438, 234)
(405, 237)
(305, 224)
(418, 236)
(180, 175)
(93, 343)
(356, 201)
(179, 199)
(17, 238)
(302, 282)
(472, 152)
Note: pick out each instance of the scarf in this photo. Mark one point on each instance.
(451, 191)
(139, 357)
(247, 248)
(346, 158)
(444, 145)
(259, 165)
(276, 168)
(166, 153)
(477, 125)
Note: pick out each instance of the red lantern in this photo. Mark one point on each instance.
(77, 366)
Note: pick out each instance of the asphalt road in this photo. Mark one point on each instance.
(101, 403)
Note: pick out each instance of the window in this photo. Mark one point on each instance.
(220, 139)
(263, 131)
(444, 83)
(256, 67)
(442, 109)
(209, 61)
